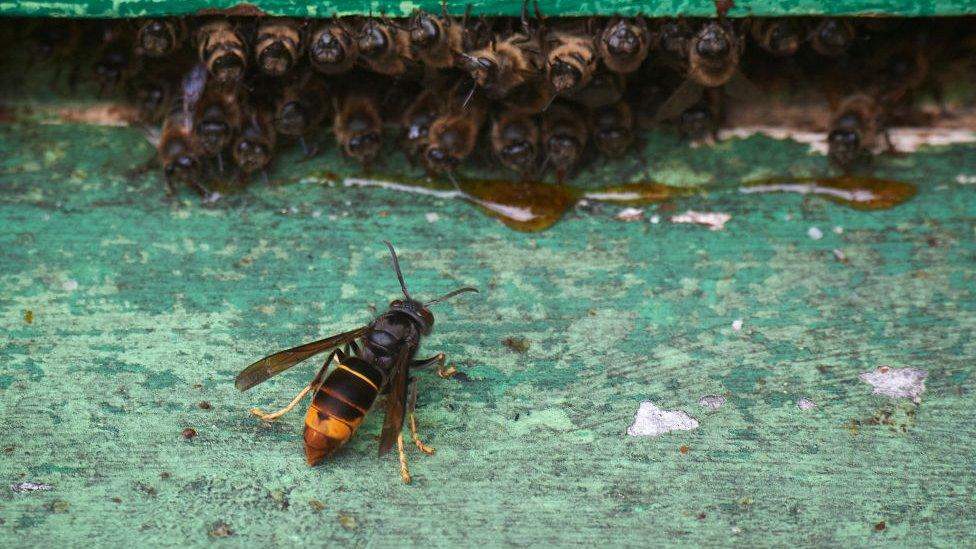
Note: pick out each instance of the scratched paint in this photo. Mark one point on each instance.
(897, 382)
(651, 421)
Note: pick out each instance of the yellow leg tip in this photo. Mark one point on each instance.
(447, 373)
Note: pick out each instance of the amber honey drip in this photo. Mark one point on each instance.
(526, 206)
(862, 193)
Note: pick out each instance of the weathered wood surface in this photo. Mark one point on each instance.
(666, 8)
(139, 311)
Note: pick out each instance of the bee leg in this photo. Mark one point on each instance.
(309, 151)
(220, 161)
(264, 176)
(404, 470)
(273, 416)
(412, 417)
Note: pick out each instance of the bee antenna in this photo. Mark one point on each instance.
(396, 267)
(474, 86)
(449, 295)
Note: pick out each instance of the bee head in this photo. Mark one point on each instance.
(696, 122)
(834, 37)
(673, 38)
(251, 155)
(275, 59)
(111, 64)
(228, 67)
(783, 39)
(425, 31)
(564, 76)
(482, 69)
(373, 41)
(844, 147)
(713, 42)
(292, 118)
(157, 37)
(623, 39)
(328, 48)
(181, 167)
(439, 160)
(563, 149)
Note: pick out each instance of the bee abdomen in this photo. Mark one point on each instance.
(339, 406)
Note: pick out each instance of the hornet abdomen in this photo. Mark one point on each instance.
(339, 406)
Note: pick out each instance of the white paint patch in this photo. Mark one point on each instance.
(839, 255)
(655, 219)
(814, 233)
(362, 182)
(903, 139)
(737, 324)
(897, 382)
(317, 214)
(630, 214)
(964, 179)
(713, 220)
(70, 285)
(838, 229)
(805, 404)
(22, 487)
(858, 195)
(712, 402)
(651, 421)
(432, 217)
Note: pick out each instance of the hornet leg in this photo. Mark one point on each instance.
(404, 470)
(412, 406)
(273, 416)
(438, 359)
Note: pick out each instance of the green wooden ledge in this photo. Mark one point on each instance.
(702, 8)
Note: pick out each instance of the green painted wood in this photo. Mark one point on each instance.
(142, 310)
(700, 8)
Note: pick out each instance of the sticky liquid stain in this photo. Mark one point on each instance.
(862, 193)
(637, 194)
(528, 206)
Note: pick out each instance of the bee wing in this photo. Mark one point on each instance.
(273, 365)
(396, 402)
(687, 94)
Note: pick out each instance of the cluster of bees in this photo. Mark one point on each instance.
(541, 93)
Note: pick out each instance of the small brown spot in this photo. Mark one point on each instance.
(722, 7)
(198, 386)
(701, 516)
(220, 529)
(58, 506)
(683, 449)
(8, 450)
(28, 316)
(879, 527)
(189, 433)
(117, 499)
(883, 369)
(204, 405)
(316, 505)
(517, 344)
(164, 475)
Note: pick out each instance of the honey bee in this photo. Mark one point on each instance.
(417, 119)
(223, 50)
(55, 40)
(115, 61)
(217, 120)
(832, 37)
(358, 127)
(699, 123)
(855, 129)
(384, 47)
(302, 108)
(159, 37)
(255, 143)
(779, 37)
(624, 44)
(151, 97)
(571, 60)
(437, 41)
(505, 64)
(515, 141)
(613, 129)
(175, 148)
(278, 46)
(332, 48)
(564, 137)
(713, 61)
(453, 136)
(673, 39)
